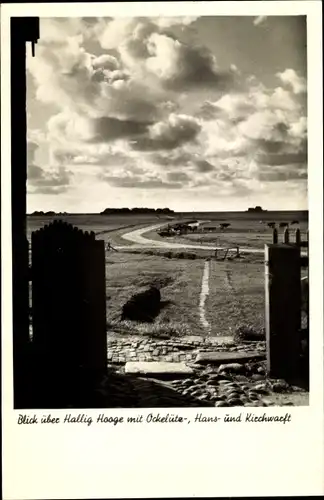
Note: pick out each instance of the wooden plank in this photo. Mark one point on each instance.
(283, 308)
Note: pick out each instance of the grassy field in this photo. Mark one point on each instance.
(100, 224)
(244, 233)
(236, 295)
(180, 283)
(236, 287)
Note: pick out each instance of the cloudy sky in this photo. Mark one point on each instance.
(201, 113)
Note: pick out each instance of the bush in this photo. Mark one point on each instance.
(142, 306)
(248, 333)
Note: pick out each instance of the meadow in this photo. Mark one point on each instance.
(100, 224)
(236, 287)
(249, 231)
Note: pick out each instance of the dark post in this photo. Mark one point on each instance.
(21, 30)
(283, 308)
(298, 237)
(286, 236)
(274, 236)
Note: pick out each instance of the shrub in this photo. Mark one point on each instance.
(142, 306)
(248, 333)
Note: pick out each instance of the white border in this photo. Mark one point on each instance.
(170, 460)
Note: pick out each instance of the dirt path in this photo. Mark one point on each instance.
(140, 241)
(203, 294)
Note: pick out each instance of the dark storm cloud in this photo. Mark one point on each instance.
(269, 146)
(197, 69)
(203, 166)
(283, 159)
(108, 129)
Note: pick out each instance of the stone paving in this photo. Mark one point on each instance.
(243, 383)
(184, 349)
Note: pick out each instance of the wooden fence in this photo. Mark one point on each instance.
(68, 309)
(283, 293)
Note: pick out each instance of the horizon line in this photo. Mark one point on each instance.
(174, 211)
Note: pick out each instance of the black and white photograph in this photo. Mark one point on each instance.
(167, 218)
(162, 221)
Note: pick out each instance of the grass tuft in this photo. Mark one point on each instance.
(157, 329)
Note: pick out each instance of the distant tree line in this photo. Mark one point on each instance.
(50, 213)
(110, 211)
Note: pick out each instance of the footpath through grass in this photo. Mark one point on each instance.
(236, 294)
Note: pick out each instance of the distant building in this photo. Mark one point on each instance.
(256, 209)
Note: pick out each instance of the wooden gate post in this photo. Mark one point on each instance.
(69, 314)
(22, 30)
(283, 308)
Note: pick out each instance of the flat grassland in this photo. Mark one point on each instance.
(236, 294)
(249, 232)
(100, 224)
(236, 287)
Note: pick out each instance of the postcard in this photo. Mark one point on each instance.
(162, 269)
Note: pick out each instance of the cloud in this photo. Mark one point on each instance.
(108, 129)
(147, 47)
(290, 78)
(204, 166)
(259, 20)
(167, 22)
(32, 148)
(49, 181)
(290, 172)
(181, 66)
(140, 106)
(69, 127)
(137, 182)
(283, 158)
(45, 180)
(170, 159)
(178, 177)
(91, 156)
(71, 78)
(169, 134)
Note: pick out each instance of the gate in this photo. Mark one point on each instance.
(68, 311)
(285, 294)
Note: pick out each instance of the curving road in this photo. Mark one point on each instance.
(139, 241)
